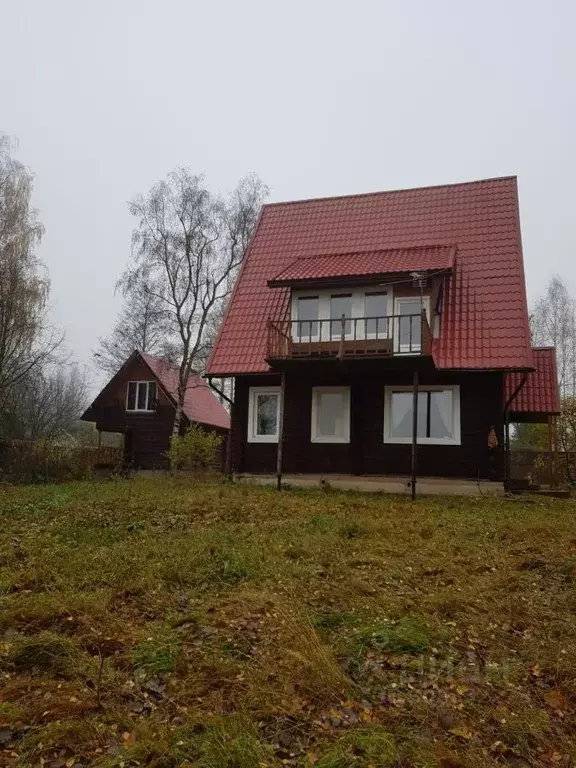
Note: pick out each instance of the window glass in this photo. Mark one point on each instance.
(441, 414)
(307, 314)
(435, 414)
(142, 399)
(340, 304)
(410, 328)
(152, 396)
(131, 403)
(266, 414)
(376, 307)
(331, 411)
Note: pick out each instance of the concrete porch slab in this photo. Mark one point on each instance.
(425, 486)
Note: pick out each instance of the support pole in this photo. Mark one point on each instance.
(280, 433)
(507, 450)
(414, 433)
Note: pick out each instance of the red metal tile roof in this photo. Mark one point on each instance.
(484, 317)
(540, 392)
(200, 403)
(382, 262)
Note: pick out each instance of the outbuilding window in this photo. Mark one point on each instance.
(141, 396)
(438, 415)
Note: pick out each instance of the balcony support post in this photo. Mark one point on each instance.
(414, 434)
(280, 432)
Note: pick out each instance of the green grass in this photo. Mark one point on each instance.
(166, 623)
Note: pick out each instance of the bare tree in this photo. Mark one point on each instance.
(26, 340)
(144, 323)
(188, 246)
(46, 403)
(553, 323)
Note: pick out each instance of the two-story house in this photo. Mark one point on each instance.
(383, 334)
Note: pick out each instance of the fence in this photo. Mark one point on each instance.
(24, 461)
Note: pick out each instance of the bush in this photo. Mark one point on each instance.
(196, 450)
(46, 461)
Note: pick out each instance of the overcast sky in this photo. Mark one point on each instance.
(318, 97)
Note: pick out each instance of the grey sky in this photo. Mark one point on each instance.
(319, 97)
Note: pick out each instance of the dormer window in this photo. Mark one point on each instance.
(141, 396)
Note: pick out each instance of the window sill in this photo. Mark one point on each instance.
(340, 440)
(140, 410)
(420, 441)
(263, 439)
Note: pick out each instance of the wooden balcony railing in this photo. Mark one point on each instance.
(386, 336)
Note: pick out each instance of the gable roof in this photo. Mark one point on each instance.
(540, 394)
(382, 262)
(484, 315)
(200, 404)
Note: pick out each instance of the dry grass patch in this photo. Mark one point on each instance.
(166, 623)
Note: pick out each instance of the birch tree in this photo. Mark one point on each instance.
(188, 245)
(144, 323)
(553, 323)
(26, 340)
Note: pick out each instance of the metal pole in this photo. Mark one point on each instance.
(280, 433)
(507, 450)
(414, 432)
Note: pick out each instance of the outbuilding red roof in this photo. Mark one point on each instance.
(383, 262)
(200, 404)
(540, 394)
(484, 321)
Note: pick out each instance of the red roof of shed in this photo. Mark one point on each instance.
(200, 404)
(484, 315)
(392, 260)
(540, 392)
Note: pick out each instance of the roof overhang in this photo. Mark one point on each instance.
(362, 268)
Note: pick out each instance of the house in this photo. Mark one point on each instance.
(349, 310)
(139, 401)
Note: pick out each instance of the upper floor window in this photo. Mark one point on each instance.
(141, 396)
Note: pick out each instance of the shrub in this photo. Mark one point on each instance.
(46, 461)
(195, 450)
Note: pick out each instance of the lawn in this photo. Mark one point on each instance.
(165, 623)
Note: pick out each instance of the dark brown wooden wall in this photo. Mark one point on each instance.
(480, 408)
(150, 432)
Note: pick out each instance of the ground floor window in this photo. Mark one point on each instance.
(263, 414)
(141, 396)
(438, 415)
(330, 415)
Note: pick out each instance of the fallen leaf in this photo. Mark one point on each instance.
(556, 699)
(462, 733)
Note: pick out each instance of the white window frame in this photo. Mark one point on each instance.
(253, 436)
(138, 383)
(314, 436)
(454, 440)
(358, 305)
(404, 349)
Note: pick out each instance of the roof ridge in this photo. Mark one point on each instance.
(388, 191)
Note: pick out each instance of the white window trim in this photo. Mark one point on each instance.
(138, 382)
(455, 440)
(253, 436)
(404, 349)
(314, 436)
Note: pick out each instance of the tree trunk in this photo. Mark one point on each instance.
(177, 423)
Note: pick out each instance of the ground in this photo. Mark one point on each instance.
(165, 623)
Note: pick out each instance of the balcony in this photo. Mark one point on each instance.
(349, 337)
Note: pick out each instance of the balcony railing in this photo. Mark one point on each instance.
(386, 336)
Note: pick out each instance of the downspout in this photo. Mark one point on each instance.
(507, 431)
(228, 455)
